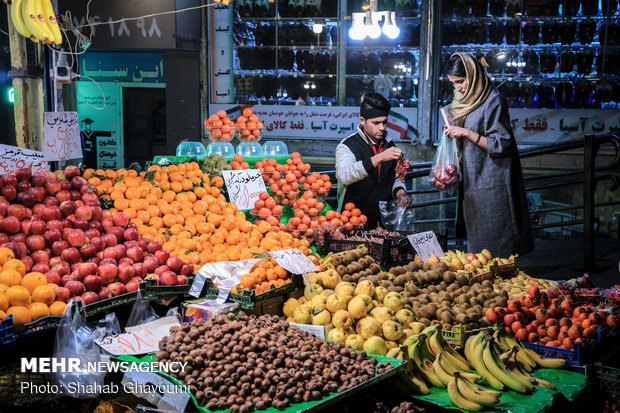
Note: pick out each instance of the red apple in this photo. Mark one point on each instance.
(50, 201)
(125, 272)
(38, 227)
(131, 234)
(62, 267)
(76, 196)
(110, 240)
(143, 243)
(99, 243)
(77, 182)
(23, 174)
(41, 256)
(71, 255)
(97, 212)
(153, 247)
(4, 208)
(85, 269)
(42, 267)
(63, 196)
(126, 260)
(52, 236)
(131, 244)
(23, 186)
(51, 213)
(84, 212)
(53, 277)
(112, 252)
(92, 282)
(104, 293)
(168, 278)
(107, 261)
(135, 253)
(132, 285)
(118, 232)
(52, 186)
(108, 273)
(27, 260)
(10, 225)
(181, 279)
(9, 179)
(26, 198)
(161, 269)
(107, 223)
(75, 288)
(162, 256)
(186, 269)
(151, 263)
(92, 233)
(62, 294)
(117, 288)
(4, 238)
(58, 247)
(16, 210)
(35, 242)
(71, 171)
(39, 179)
(75, 237)
(120, 219)
(39, 193)
(89, 297)
(19, 237)
(139, 269)
(55, 224)
(9, 192)
(81, 224)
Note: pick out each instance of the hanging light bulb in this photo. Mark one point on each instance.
(371, 27)
(390, 29)
(317, 28)
(356, 32)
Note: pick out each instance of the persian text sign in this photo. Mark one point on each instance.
(244, 187)
(137, 342)
(425, 244)
(61, 136)
(294, 261)
(12, 158)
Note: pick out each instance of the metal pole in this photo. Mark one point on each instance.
(589, 185)
(430, 55)
(341, 69)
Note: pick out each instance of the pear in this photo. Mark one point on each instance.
(318, 301)
(330, 279)
(382, 314)
(392, 330)
(434, 259)
(336, 302)
(486, 253)
(345, 289)
(395, 303)
(417, 327)
(303, 314)
(368, 327)
(337, 335)
(316, 290)
(314, 277)
(356, 341)
(289, 307)
(405, 317)
(357, 307)
(322, 318)
(365, 287)
(327, 292)
(375, 345)
(391, 344)
(342, 319)
(380, 293)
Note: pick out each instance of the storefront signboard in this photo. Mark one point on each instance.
(222, 78)
(12, 158)
(61, 136)
(124, 67)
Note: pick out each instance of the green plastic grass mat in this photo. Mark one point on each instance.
(399, 365)
(568, 383)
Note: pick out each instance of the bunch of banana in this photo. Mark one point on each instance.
(422, 360)
(527, 357)
(36, 20)
(437, 344)
(410, 380)
(469, 396)
(509, 358)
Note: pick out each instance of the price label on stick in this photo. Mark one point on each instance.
(294, 261)
(426, 245)
(244, 187)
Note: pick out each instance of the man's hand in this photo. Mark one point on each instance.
(403, 198)
(387, 155)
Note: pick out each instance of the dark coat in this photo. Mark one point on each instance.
(495, 209)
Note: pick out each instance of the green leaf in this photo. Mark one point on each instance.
(119, 179)
(136, 167)
(186, 252)
(261, 256)
(150, 175)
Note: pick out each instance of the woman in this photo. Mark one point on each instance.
(492, 192)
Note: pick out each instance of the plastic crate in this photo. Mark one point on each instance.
(609, 380)
(109, 304)
(574, 357)
(7, 335)
(248, 300)
(392, 251)
(508, 270)
(150, 290)
(459, 335)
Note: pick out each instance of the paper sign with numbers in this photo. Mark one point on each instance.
(13, 158)
(294, 261)
(137, 342)
(61, 136)
(425, 244)
(244, 187)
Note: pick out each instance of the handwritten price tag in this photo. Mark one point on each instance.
(13, 158)
(137, 342)
(244, 187)
(61, 136)
(425, 244)
(294, 261)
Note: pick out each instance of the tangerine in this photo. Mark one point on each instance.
(39, 310)
(57, 308)
(18, 295)
(15, 264)
(21, 315)
(10, 277)
(43, 294)
(33, 280)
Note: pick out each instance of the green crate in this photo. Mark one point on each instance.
(109, 304)
(609, 380)
(150, 290)
(459, 335)
(248, 299)
(508, 270)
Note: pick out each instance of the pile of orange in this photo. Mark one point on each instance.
(219, 127)
(267, 209)
(25, 296)
(350, 218)
(320, 184)
(273, 172)
(238, 163)
(248, 126)
(263, 276)
(185, 210)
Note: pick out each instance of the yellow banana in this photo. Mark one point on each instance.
(459, 400)
(476, 393)
(442, 375)
(546, 363)
(393, 353)
(467, 348)
(450, 352)
(478, 363)
(50, 21)
(424, 364)
(36, 28)
(516, 367)
(449, 368)
(509, 342)
(492, 363)
(18, 20)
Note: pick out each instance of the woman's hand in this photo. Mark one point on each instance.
(457, 132)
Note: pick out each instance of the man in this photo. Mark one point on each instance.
(366, 162)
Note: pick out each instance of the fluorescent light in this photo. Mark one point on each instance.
(372, 26)
(390, 29)
(356, 32)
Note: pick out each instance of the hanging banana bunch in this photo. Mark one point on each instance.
(36, 20)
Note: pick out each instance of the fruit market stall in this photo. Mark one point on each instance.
(288, 304)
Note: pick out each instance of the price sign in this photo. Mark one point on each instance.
(425, 244)
(244, 187)
(137, 342)
(61, 136)
(294, 261)
(13, 158)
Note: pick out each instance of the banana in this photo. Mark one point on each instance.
(478, 363)
(36, 28)
(476, 393)
(492, 363)
(411, 384)
(393, 353)
(516, 367)
(546, 363)
(450, 353)
(467, 348)
(442, 375)
(509, 342)
(451, 370)
(18, 20)
(424, 364)
(49, 18)
(459, 400)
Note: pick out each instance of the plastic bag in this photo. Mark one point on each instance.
(141, 313)
(446, 172)
(395, 216)
(75, 341)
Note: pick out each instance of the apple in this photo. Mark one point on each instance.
(10, 225)
(186, 269)
(41, 256)
(161, 269)
(107, 223)
(143, 243)
(122, 249)
(25, 224)
(131, 244)
(52, 277)
(99, 243)
(71, 255)
(9, 192)
(27, 260)
(126, 260)
(117, 288)
(23, 186)
(26, 198)
(52, 186)
(92, 282)
(9, 179)
(135, 253)
(87, 251)
(168, 278)
(50, 201)
(51, 213)
(151, 263)
(97, 211)
(77, 182)
(92, 233)
(104, 293)
(65, 186)
(76, 196)
(125, 272)
(107, 261)
(96, 225)
(55, 224)
(39, 193)
(162, 256)
(52, 236)
(181, 279)
(23, 174)
(85, 269)
(62, 267)
(67, 208)
(62, 294)
(154, 246)
(4, 207)
(75, 237)
(16, 210)
(66, 223)
(110, 240)
(81, 224)
(58, 247)
(132, 285)
(139, 269)
(42, 267)
(35, 242)
(131, 234)
(75, 288)
(63, 196)
(108, 273)
(38, 179)
(71, 171)
(19, 237)
(118, 232)
(112, 252)
(89, 297)
(84, 212)
(38, 227)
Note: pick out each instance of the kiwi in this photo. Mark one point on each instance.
(408, 276)
(336, 260)
(432, 289)
(465, 288)
(452, 288)
(462, 318)
(362, 261)
(435, 277)
(399, 281)
(413, 267)
(341, 270)
(374, 268)
(444, 266)
(418, 279)
(427, 278)
(461, 279)
(473, 301)
(411, 288)
(435, 322)
(487, 284)
(426, 266)
(446, 317)
(425, 321)
(347, 278)
(369, 259)
(435, 266)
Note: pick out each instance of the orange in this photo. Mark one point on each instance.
(33, 280)
(10, 277)
(38, 310)
(57, 308)
(2, 315)
(43, 294)
(21, 315)
(4, 288)
(18, 295)
(15, 264)
(4, 302)
(5, 255)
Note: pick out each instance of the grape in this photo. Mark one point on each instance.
(401, 168)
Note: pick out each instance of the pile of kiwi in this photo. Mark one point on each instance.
(354, 265)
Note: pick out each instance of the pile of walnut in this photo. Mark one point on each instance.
(244, 363)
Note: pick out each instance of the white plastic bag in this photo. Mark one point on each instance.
(446, 172)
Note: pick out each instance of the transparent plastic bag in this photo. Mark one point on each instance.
(395, 216)
(141, 313)
(75, 341)
(446, 172)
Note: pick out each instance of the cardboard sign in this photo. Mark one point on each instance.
(425, 244)
(294, 261)
(244, 187)
(137, 342)
(13, 158)
(61, 136)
